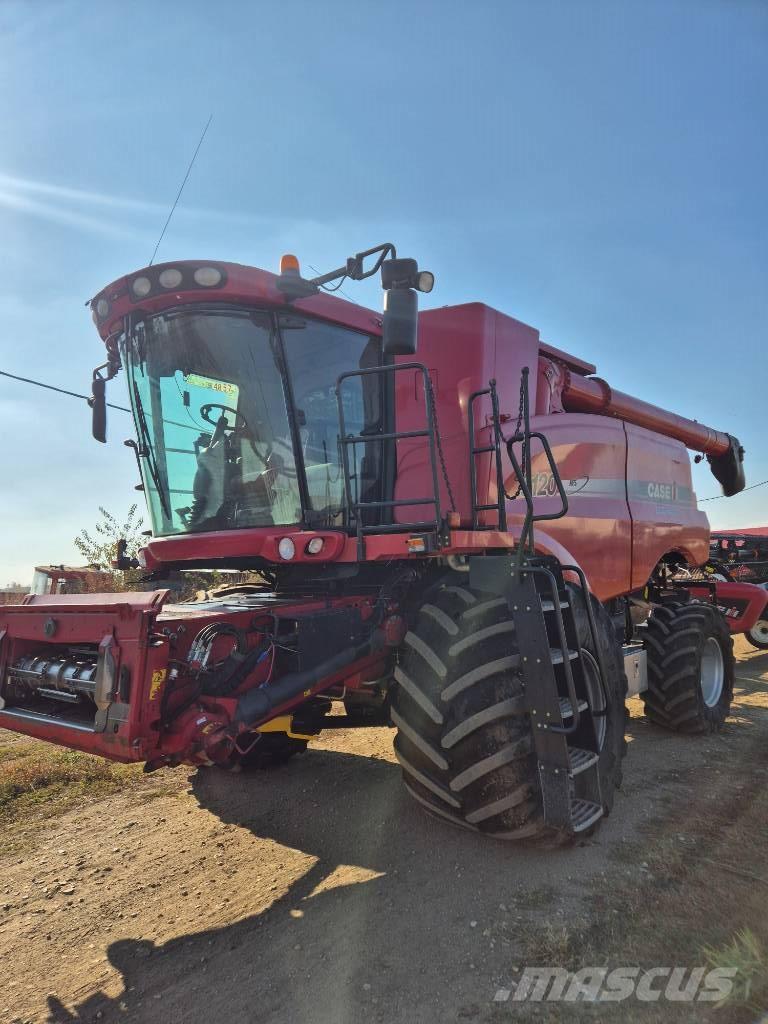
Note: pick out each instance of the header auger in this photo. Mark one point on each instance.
(462, 532)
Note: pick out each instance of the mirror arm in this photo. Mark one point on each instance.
(353, 268)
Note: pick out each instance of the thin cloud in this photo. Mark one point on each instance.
(126, 218)
(84, 197)
(77, 195)
(71, 218)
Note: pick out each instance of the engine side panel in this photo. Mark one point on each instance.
(630, 498)
(662, 503)
(590, 453)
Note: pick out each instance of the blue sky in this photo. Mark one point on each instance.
(597, 169)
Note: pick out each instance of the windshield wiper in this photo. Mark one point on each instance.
(148, 453)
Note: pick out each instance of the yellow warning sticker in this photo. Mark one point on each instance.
(158, 678)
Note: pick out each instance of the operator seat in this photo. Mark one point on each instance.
(209, 486)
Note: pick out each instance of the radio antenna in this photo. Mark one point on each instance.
(181, 189)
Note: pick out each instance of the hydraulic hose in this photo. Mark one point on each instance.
(258, 703)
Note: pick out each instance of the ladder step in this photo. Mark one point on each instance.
(549, 606)
(583, 814)
(556, 655)
(566, 708)
(580, 760)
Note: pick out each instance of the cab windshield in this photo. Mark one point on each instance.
(237, 418)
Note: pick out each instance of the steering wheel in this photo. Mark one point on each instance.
(205, 413)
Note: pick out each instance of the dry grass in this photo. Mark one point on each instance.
(696, 894)
(39, 781)
(749, 956)
(553, 944)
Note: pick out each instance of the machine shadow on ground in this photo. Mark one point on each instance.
(383, 868)
(397, 916)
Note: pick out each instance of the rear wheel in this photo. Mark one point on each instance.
(758, 635)
(690, 667)
(463, 734)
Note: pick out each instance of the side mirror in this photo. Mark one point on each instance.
(122, 561)
(400, 322)
(98, 404)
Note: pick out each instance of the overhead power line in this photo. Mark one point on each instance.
(61, 391)
(122, 408)
(716, 497)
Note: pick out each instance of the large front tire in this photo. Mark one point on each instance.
(690, 667)
(463, 733)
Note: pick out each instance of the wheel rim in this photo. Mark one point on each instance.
(759, 631)
(712, 672)
(595, 696)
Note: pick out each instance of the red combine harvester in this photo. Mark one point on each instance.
(742, 555)
(390, 505)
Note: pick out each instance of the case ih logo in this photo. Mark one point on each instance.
(662, 492)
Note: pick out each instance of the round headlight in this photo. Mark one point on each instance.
(208, 277)
(141, 286)
(102, 308)
(170, 277)
(286, 548)
(315, 546)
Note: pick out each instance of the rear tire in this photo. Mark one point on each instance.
(690, 668)
(758, 635)
(463, 734)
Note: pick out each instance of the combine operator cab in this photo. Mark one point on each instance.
(484, 546)
(237, 417)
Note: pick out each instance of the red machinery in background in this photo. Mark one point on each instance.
(742, 556)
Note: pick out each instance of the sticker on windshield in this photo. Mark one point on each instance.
(222, 387)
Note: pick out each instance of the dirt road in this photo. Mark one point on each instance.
(318, 892)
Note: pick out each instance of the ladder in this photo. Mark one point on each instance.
(493, 448)
(565, 692)
(356, 508)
